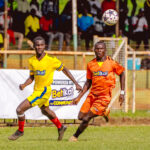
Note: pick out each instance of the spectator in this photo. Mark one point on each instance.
(108, 4)
(67, 30)
(95, 7)
(51, 27)
(18, 21)
(35, 5)
(99, 24)
(1, 38)
(1, 5)
(140, 27)
(46, 24)
(12, 34)
(49, 6)
(134, 4)
(68, 8)
(66, 26)
(128, 28)
(145, 63)
(81, 4)
(85, 27)
(12, 5)
(20, 15)
(123, 10)
(32, 25)
(23, 6)
(147, 14)
(56, 33)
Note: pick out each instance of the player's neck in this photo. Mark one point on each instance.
(40, 56)
(102, 59)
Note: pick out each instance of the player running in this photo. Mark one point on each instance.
(101, 79)
(42, 69)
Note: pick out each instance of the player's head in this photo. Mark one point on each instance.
(39, 44)
(100, 49)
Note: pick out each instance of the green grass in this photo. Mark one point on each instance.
(94, 138)
(137, 114)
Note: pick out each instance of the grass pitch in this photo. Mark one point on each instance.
(94, 138)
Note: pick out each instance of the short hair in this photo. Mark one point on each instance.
(38, 38)
(100, 42)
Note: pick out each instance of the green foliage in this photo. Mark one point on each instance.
(94, 138)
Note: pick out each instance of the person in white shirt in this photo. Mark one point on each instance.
(140, 28)
(98, 24)
(23, 6)
(95, 6)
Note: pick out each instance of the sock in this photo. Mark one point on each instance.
(78, 132)
(21, 125)
(57, 123)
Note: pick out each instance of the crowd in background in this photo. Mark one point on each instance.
(28, 20)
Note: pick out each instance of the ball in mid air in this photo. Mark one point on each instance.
(110, 17)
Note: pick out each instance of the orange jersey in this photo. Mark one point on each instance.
(103, 78)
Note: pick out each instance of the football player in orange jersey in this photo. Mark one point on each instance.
(101, 79)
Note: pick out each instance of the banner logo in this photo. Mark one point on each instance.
(59, 102)
(63, 92)
(100, 73)
(40, 73)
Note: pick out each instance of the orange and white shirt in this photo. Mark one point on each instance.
(103, 78)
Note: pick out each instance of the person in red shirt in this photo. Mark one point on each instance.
(101, 78)
(108, 4)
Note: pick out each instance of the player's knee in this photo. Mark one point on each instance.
(19, 111)
(43, 111)
(80, 117)
(86, 119)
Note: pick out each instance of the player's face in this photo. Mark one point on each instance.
(39, 46)
(100, 50)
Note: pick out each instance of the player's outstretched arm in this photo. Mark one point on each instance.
(70, 76)
(86, 87)
(27, 82)
(122, 84)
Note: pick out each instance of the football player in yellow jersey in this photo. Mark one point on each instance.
(42, 69)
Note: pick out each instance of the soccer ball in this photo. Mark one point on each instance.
(110, 17)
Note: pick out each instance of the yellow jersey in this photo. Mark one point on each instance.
(43, 70)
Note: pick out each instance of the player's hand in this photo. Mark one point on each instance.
(75, 101)
(121, 99)
(21, 86)
(78, 87)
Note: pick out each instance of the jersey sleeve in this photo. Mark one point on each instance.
(117, 68)
(30, 68)
(89, 73)
(58, 65)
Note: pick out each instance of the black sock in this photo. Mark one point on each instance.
(78, 132)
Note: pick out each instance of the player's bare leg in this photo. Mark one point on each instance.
(25, 105)
(52, 116)
(84, 124)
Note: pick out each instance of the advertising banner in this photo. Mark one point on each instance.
(63, 91)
